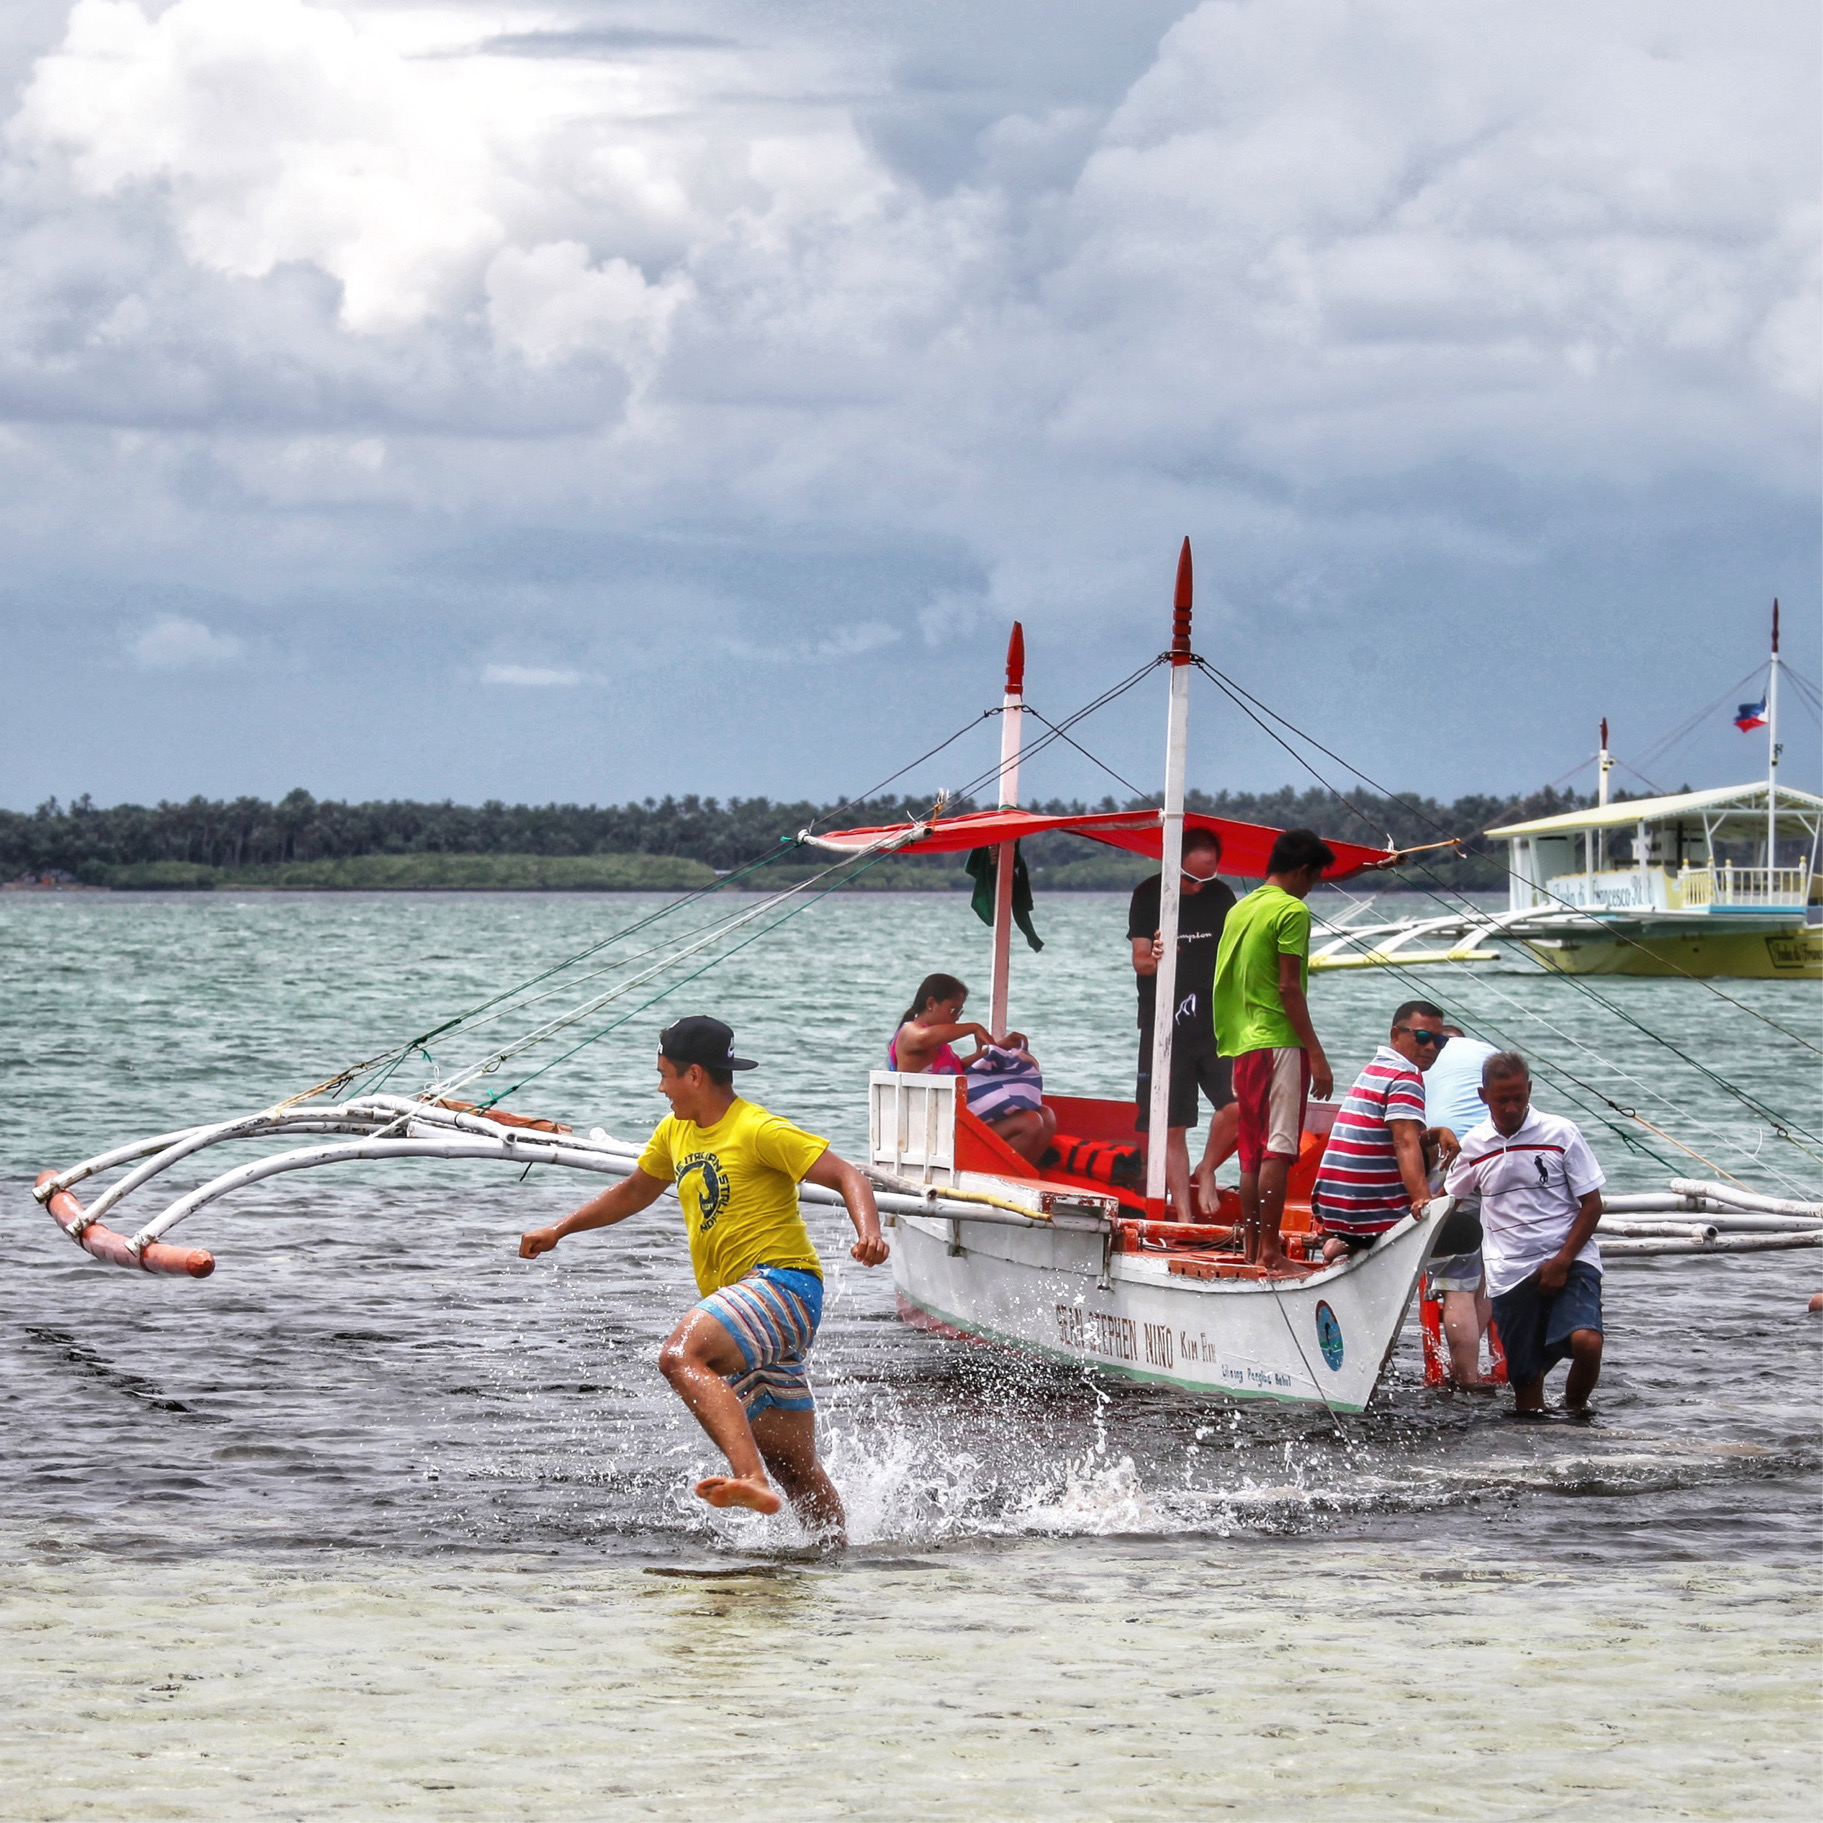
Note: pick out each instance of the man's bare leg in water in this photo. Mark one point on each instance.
(698, 1359)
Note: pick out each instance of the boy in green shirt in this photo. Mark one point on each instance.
(1262, 1021)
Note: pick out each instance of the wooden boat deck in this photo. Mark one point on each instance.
(1197, 1249)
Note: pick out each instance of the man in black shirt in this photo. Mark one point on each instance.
(1202, 908)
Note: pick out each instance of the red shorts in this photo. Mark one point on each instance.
(1271, 1088)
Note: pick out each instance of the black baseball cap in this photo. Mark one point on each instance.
(699, 1039)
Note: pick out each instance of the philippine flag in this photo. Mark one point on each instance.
(1750, 716)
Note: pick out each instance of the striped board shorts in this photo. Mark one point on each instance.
(772, 1314)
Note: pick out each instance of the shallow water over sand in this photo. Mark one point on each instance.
(1081, 1678)
(381, 1517)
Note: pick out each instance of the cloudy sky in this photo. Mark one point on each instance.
(592, 400)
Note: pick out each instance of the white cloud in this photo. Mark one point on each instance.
(172, 643)
(1314, 234)
(1332, 234)
(531, 677)
(551, 304)
(282, 131)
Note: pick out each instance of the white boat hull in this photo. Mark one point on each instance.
(1058, 1293)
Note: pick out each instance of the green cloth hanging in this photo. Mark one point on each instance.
(983, 867)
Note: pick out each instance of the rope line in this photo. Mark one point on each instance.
(1662, 747)
(551, 1028)
(1236, 693)
(714, 961)
(1057, 731)
(388, 1061)
(1588, 1097)
(1087, 755)
(1780, 1125)
(892, 778)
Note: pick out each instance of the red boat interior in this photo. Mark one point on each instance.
(1196, 1250)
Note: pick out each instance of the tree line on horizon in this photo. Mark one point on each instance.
(87, 840)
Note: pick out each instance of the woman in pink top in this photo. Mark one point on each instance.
(922, 1046)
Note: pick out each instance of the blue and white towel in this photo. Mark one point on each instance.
(1003, 1082)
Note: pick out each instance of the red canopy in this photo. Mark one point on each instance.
(1245, 846)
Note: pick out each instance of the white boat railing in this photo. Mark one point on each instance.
(911, 1122)
(1731, 885)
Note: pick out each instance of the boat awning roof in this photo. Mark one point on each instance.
(1245, 846)
(1720, 801)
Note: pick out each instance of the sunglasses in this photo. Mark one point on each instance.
(1424, 1035)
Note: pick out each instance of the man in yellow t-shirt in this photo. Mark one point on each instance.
(738, 1359)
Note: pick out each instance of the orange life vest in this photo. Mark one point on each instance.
(1099, 1159)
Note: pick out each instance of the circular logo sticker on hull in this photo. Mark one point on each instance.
(1329, 1336)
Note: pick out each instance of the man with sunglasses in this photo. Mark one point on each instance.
(1373, 1171)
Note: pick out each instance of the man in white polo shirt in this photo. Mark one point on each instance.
(1540, 1191)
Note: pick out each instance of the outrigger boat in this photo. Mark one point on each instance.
(984, 1245)
(1673, 903)
(1091, 1273)
(1691, 884)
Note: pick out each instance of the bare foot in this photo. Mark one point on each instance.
(733, 1491)
(1279, 1267)
(1474, 1386)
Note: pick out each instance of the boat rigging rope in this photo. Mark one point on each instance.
(1236, 693)
(725, 921)
(385, 1062)
(514, 999)
(1806, 689)
(1552, 1070)
(1444, 890)
(1586, 1096)
(1781, 1127)
(893, 777)
(487, 1066)
(1087, 755)
(1667, 744)
(878, 854)
(1057, 731)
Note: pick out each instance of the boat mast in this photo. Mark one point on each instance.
(1012, 718)
(1171, 861)
(1605, 765)
(1772, 752)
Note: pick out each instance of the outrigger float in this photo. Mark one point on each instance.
(985, 1245)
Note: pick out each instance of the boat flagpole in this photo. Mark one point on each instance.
(1012, 718)
(1772, 753)
(1171, 862)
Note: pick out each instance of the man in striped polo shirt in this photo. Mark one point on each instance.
(1372, 1175)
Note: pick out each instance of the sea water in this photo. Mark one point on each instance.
(381, 1520)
